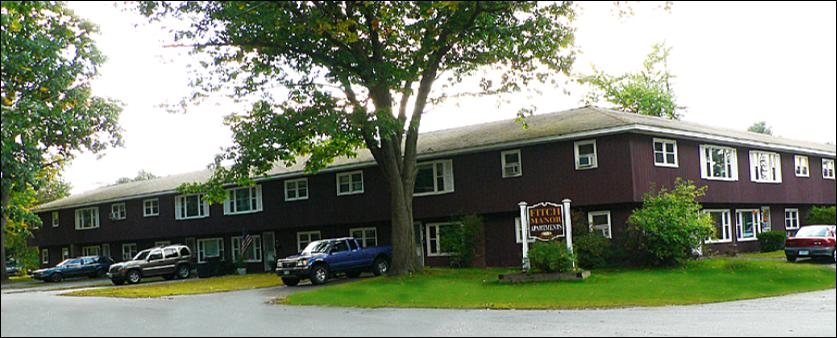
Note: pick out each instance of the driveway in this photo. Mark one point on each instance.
(248, 313)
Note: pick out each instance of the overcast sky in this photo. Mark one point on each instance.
(735, 64)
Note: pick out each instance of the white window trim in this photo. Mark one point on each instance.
(132, 251)
(504, 164)
(447, 167)
(351, 183)
(55, 219)
(65, 253)
(733, 165)
(438, 248)
(590, 216)
(145, 207)
(95, 218)
(595, 159)
(795, 211)
(364, 238)
(179, 200)
(297, 198)
(739, 226)
(44, 256)
(777, 161)
(115, 212)
(308, 234)
(664, 142)
(85, 251)
(200, 248)
(231, 204)
(517, 232)
(796, 166)
(235, 244)
(824, 161)
(722, 238)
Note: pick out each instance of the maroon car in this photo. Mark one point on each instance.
(812, 241)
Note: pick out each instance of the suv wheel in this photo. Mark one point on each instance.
(184, 271)
(319, 275)
(134, 277)
(381, 266)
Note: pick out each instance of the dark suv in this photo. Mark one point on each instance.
(169, 262)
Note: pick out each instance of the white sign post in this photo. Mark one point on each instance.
(524, 234)
(568, 225)
(563, 225)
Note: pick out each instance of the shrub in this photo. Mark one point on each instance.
(592, 251)
(551, 257)
(822, 215)
(461, 241)
(668, 226)
(772, 240)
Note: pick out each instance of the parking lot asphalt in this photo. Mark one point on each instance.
(250, 313)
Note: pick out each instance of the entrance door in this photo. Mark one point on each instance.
(269, 247)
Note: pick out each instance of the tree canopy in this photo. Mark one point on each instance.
(648, 92)
(761, 128)
(142, 175)
(48, 110)
(332, 77)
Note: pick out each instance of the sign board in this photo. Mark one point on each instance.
(546, 221)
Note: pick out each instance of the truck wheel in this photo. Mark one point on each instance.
(134, 277)
(791, 258)
(184, 271)
(319, 275)
(380, 267)
(289, 281)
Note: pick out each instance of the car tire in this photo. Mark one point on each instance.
(134, 277)
(290, 281)
(790, 258)
(353, 274)
(319, 274)
(56, 277)
(184, 271)
(117, 282)
(380, 267)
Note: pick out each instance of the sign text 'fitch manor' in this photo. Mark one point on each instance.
(546, 221)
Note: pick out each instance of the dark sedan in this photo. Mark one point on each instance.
(812, 241)
(91, 266)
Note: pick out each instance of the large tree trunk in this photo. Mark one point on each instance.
(404, 255)
(4, 200)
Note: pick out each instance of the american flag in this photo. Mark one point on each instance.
(246, 241)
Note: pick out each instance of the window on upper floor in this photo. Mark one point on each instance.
(433, 178)
(118, 211)
(512, 166)
(87, 218)
(665, 153)
(190, 206)
(718, 163)
(243, 200)
(55, 220)
(151, 207)
(585, 155)
(801, 166)
(296, 190)
(828, 169)
(350, 183)
(765, 167)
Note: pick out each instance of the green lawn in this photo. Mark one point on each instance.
(190, 287)
(704, 281)
(772, 254)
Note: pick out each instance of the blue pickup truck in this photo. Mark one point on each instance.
(326, 258)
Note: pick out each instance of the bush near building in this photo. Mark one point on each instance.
(822, 215)
(772, 240)
(668, 226)
(592, 251)
(551, 257)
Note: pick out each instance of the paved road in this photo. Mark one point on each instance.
(247, 313)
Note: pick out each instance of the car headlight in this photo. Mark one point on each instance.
(302, 263)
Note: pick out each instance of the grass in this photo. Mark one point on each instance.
(706, 281)
(18, 279)
(772, 254)
(190, 287)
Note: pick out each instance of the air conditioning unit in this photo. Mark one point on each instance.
(585, 161)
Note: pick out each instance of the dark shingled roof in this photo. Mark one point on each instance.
(575, 123)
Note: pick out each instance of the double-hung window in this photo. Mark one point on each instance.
(44, 256)
(665, 153)
(55, 221)
(439, 237)
(210, 248)
(801, 165)
(748, 224)
(828, 169)
(791, 219)
(765, 167)
(87, 218)
(512, 166)
(151, 207)
(367, 236)
(90, 250)
(118, 211)
(129, 250)
(718, 163)
(296, 190)
(434, 178)
(191, 206)
(585, 155)
(253, 252)
(243, 200)
(723, 228)
(305, 238)
(350, 183)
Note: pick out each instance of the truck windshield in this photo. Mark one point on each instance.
(315, 248)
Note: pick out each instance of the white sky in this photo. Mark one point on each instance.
(735, 64)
